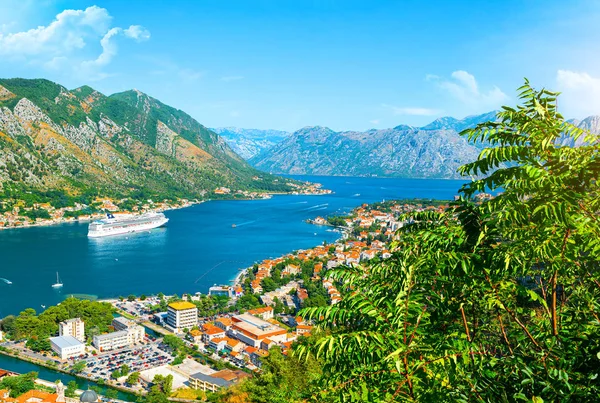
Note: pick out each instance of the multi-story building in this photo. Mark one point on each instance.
(67, 346)
(111, 341)
(252, 330)
(181, 315)
(135, 332)
(72, 327)
(221, 290)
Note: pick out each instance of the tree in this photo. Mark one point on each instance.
(71, 389)
(19, 384)
(156, 395)
(124, 370)
(282, 380)
(78, 367)
(131, 298)
(487, 301)
(174, 342)
(133, 378)
(111, 393)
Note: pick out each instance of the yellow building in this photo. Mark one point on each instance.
(181, 315)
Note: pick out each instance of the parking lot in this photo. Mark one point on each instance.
(140, 309)
(136, 358)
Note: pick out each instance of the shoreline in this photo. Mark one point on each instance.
(96, 216)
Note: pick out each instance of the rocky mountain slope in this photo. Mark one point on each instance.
(432, 151)
(250, 142)
(81, 142)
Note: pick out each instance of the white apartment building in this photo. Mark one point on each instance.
(111, 341)
(135, 332)
(181, 315)
(72, 327)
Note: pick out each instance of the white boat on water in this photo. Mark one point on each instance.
(58, 283)
(117, 226)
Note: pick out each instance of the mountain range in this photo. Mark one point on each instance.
(432, 151)
(78, 141)
(250, 142)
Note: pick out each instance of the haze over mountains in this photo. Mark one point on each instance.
(432, 151)
(79, 141)
(250, 142)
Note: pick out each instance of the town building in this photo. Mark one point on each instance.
(72, 327)
(216, 381)
(181, 315)
(111, 341)
(252, 330)
(67, 346)
(135, 332)
(264, 313)
(221, 291)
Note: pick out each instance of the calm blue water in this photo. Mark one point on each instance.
(197, 249)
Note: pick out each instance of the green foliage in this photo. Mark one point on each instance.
(337, 221)
(19, 384)
(164, 383)
(282, 380)
(174, 342)
(497, 301)
(38, 345)
(96, 315)
(71, 389)
(111, 393)
(133, 378)
(78, 367)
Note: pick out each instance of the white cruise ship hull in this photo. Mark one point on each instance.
(117, 227)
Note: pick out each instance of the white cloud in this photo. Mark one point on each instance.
(137, 32)
(234, 114)
(580, 93)
(464, 87)
(413, 111)
(374, 121)
(68, 42)
(231, 78)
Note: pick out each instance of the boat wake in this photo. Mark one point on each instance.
(318, 206)
(6, 281)
(245, 223)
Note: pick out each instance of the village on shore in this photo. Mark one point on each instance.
(42, 214)
(206, 342)
(202, 343)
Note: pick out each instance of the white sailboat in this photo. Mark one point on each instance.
(58, 283)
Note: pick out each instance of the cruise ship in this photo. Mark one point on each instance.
(117, 226)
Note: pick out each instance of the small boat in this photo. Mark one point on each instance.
(58, 283)
(43, 306)
(233, 225)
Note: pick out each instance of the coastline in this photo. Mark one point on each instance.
(59, 221)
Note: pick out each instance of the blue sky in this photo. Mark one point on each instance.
(287, 64)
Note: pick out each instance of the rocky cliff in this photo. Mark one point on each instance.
(81, 141)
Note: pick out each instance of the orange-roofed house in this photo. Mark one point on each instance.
(303, 329)
(223, 323)
(264, 313)
(212, 332)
